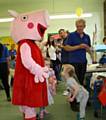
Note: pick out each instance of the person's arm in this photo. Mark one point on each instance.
(90, 52)
(72, 48)
(75, 92)
(75, 89)
(7, 58)
(8, 61)
(30, 64)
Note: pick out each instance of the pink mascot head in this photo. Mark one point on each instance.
(30, 25)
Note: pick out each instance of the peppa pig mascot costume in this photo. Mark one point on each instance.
(29, 88)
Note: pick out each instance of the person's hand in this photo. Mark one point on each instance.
(60, 45)
(40, 74)
(83, 46)
(46, 72)
(71, 99)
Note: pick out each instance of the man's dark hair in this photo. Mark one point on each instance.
(61, 30)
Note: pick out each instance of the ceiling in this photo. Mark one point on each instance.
(53, 6)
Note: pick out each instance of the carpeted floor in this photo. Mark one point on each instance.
(59, 111)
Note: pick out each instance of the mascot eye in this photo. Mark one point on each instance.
(24, 18)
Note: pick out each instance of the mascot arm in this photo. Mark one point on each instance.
(30, 64)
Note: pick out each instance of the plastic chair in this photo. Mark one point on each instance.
(97, 106)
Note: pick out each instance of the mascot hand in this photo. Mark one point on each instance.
(38, 79)
(46, 72)
(40, 74)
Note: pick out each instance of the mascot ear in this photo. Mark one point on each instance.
(47, 18)
(13, 13)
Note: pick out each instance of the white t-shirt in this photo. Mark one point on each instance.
(72, 82)
(52, 52)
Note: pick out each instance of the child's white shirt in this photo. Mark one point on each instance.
(52, 52)
(72, 82)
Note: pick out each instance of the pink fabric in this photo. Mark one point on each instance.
(28, 25)
(28, 111)
(31, 65)
(52, 81)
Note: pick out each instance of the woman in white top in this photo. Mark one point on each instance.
(53, 56)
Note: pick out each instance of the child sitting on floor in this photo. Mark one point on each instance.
(76, 91)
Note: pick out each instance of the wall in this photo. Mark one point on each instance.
(89, 6)
(57, 7)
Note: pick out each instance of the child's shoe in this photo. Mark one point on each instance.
(23, 116)
(9, 99)
(45, 112)
(41, 115)
(82, 118)
(96, 114)
(65, 93)
(78, 116)
(34, 118)
(37, 116)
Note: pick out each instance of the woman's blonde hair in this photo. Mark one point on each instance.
(70, 69)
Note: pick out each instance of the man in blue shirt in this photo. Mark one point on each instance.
(77, 44)
(4, 69)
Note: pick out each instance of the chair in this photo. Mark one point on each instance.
(97, 105)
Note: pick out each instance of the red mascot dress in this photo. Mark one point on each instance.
(34, 94)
